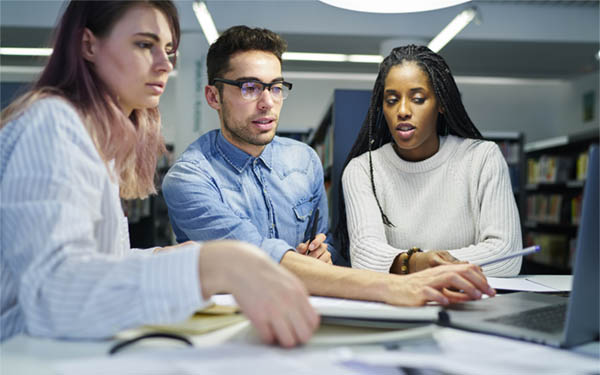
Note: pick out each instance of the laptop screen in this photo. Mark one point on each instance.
(583, 313)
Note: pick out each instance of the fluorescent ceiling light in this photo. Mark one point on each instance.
(454, 27)
(365, 58)
(206, 21)
(10, 51)
(331, 57)
(309, 56)
(387, 6)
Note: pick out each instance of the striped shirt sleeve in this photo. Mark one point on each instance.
(68, 275)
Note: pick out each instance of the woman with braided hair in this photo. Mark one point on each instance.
(420, 176)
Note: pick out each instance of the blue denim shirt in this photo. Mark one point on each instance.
(217, 191)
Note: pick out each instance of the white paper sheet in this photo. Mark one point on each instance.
(461, 352)
(224, 359)
(347, 308)
(533, 283)
(561, 283)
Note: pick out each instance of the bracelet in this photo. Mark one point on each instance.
(409, 253)
(403, 264)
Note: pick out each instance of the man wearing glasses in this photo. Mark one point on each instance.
(242, 182)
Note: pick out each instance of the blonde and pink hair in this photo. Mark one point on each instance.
(134, 142)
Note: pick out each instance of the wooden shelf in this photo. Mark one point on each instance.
(553, 186)
(549, 227)
(562, 143)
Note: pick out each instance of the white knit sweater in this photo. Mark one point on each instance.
(459, 199)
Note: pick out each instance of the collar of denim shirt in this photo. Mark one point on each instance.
(239, 159)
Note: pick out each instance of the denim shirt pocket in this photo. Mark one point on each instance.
(302, 210)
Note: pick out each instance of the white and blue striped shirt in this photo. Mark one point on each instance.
(66, 266)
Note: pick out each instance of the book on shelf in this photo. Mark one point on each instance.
(554, 208)
(581, 166)
(545, 208)
(576, 209)
(549, 169)
(554, 249)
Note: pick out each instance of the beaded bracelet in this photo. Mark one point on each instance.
(403, 263)
(406, 258)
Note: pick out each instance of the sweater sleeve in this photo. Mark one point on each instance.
(499, 231)
(369, 248)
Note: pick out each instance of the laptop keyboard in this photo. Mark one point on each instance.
(548, 319)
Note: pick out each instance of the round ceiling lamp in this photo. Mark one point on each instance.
(387, 6)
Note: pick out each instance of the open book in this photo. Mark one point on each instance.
(204, 321)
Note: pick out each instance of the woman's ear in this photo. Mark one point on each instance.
(89, 45)
(212, 97)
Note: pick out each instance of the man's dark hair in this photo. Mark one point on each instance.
(240, 39)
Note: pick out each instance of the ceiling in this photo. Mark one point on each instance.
(533, 39)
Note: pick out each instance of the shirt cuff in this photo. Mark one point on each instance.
(171, 285)
(276, 248)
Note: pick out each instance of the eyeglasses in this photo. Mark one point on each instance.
(252, 89)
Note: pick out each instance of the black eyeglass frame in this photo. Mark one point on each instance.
(264, 84)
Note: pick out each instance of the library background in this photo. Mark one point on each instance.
(529, 83)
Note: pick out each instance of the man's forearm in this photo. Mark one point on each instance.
(335, 281)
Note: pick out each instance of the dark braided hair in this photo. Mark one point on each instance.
(374, 132)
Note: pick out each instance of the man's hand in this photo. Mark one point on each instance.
(432, 258)
(316, 249)
(272, 298)
(444, 284)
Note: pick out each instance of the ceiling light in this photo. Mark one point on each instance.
(206, 21)
(10, 51)
(309, 56)
(387, 6)
(365, 58)
(331, 57)
(454, 27)
(598, 55)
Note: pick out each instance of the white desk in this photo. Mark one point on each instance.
(236, 350)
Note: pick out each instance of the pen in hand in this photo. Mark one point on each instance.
(313, 228)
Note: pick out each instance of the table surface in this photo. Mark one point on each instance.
(28, 355)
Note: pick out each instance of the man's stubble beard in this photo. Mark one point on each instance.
(242, 134)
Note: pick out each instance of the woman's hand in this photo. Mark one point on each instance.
(420, 261)
(271, 297)
(429, 259)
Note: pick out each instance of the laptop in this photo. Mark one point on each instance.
(548, 319)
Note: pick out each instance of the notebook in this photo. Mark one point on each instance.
(548, 319)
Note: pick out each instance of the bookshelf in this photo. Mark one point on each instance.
(334, 136)
(556, 170)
